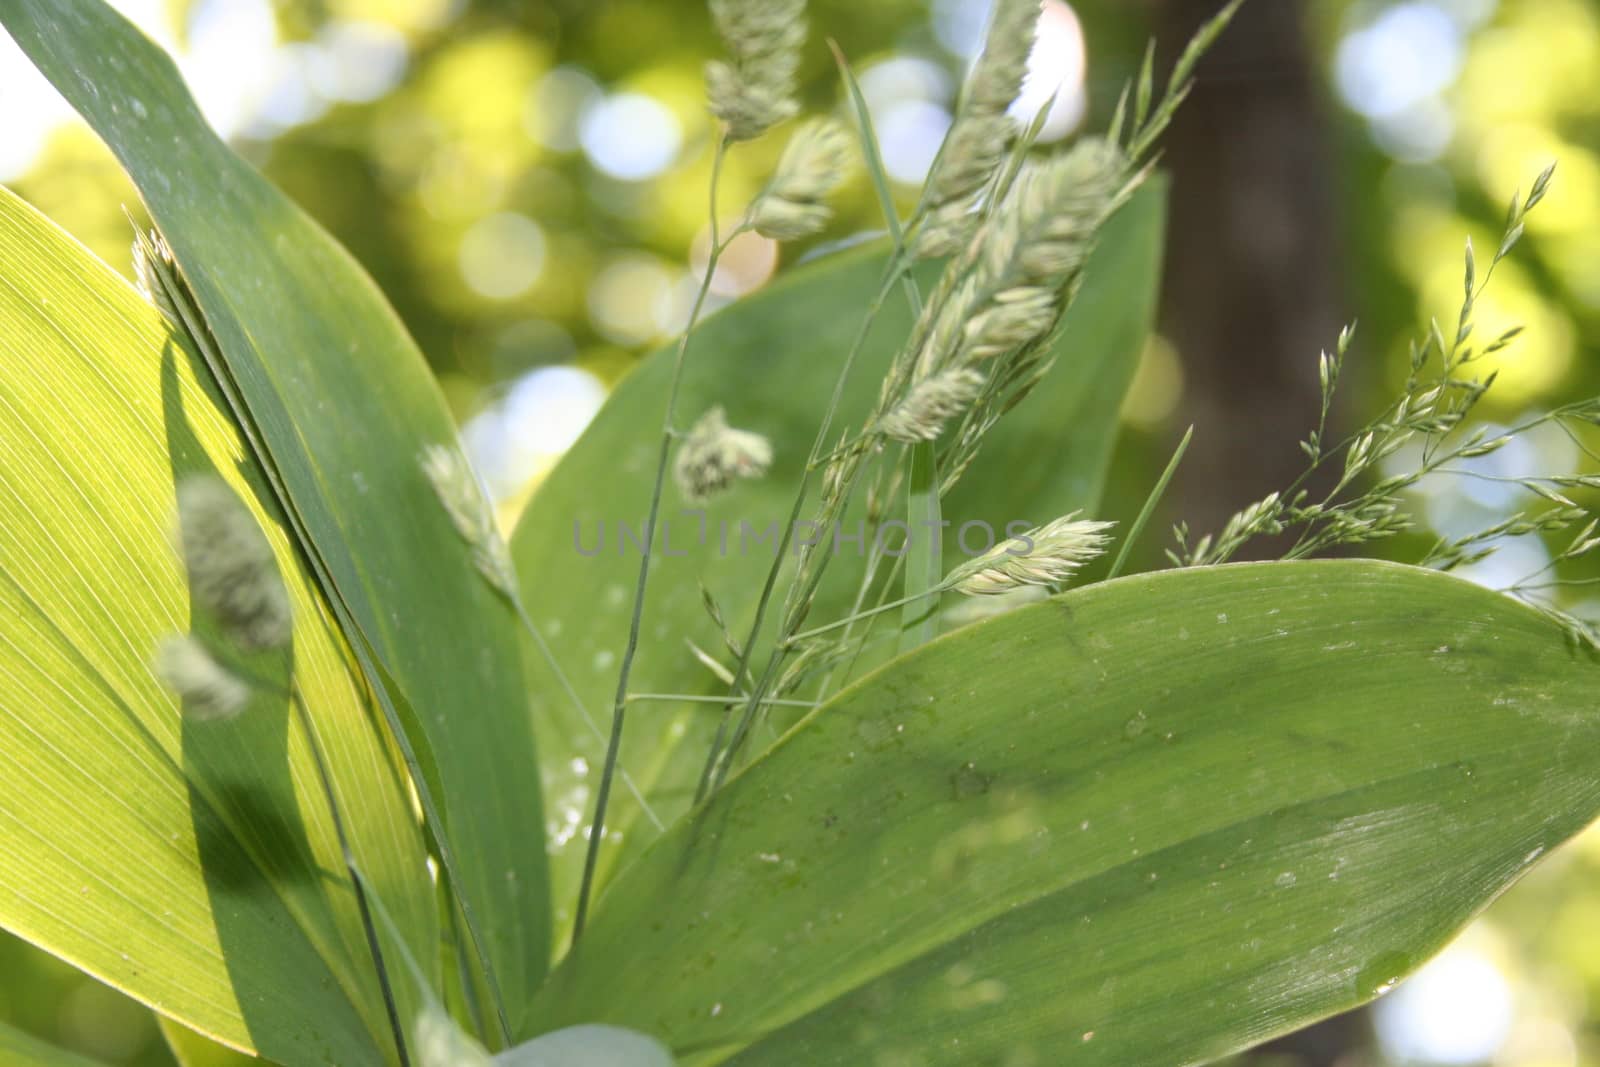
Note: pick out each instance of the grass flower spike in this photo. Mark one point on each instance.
(209, 691)
(976, 144)
(922, 414)
(754, 89)
(232, 572)
(152, 257)
(1040, 241)
(1028, 258)
(714, 455)
(794, 203)
(1048, 555)
(463, 499)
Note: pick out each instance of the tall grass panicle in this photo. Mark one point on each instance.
(754, 89)
(794, 203)
(462, 496)
(1418, 437)
(1020, 232)
(979, 135)
(752, 92)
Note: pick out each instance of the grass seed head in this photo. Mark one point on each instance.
(794, 203)
(714, 455)
(152, 259)
(1048, 555)
(921, 416)
(232, 572)
(209, 691)
(459, 490)
(754, 90)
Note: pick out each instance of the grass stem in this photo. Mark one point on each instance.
(619, 706)
(897, 265)
(1156, 493)
(373, 946)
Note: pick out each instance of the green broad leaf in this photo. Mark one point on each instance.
(588, 1046)
(1154, 820)
(771, 361)
(19, 1049)
(192, 865)
(339, 403)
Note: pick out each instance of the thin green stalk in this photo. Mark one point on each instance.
(891, 274)
(798, 594)
(875, 169)
(434, 825)
(752, 707)
(1525, 586)
(691, 698)
(866, 638)
(1150, 503)
(619, 706)
(471, 1003)
(1572, 436)
(904, 601)
(577, 702)
(394, 931)
(326, 778)
(924, 563)
(869, 574)
(869, 146)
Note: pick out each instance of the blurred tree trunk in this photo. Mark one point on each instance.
(1251, 292)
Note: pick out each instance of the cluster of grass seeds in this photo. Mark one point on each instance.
(1428, 421)
(1018, 229)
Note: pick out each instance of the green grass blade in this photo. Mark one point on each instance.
(869, 148)
(1150, 504)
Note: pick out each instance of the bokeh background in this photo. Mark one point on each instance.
(525, 179)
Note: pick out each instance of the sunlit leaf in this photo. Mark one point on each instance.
(1151, 821)
(338, 401)
(192, 865)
